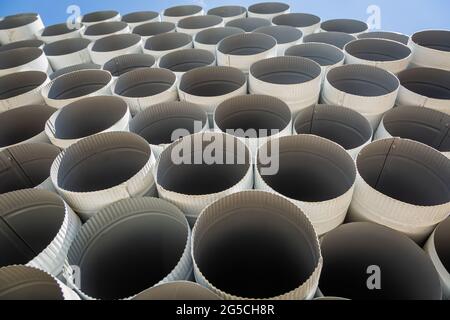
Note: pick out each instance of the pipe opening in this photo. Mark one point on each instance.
(89, 116)
(168, 41)
(179, 290)
(394, 36)
(213, 36)
(433, 39)
(32, 219)
(406, 171)
(141, 16)
(212, 81)
(337, 39)
(66, 46)
(27, 166)
(123, 64)
(344, 126)
(99, 16)
(351, 249)
(283, 34)
(17, 21)
(227, 11)
(203, 179)
(20, 124)
(442, 243)
(149, 232)
(431, 83)
(182, 11)
(157, 124)
(116, 42)
(18, 57)
(296, 20)
(419, 124)
(271, 252)
(321, 53)
(154, 28)
(363, 80)
(78, 84)
(13, 85)
(246, 44)
(77, 67)
(56, 30)
(257, 112)
(87, 166)
(349, 26)
(200, 22)
(377, 50)
(144, 82)
(187, 59)
(248, 24)
(33, 43)
(312, 169)
(285, 70)
(268, 7)
(105, 28)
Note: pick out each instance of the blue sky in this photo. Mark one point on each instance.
(404, 16)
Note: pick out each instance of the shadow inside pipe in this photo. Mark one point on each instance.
(268, 7)
(248, 24)
(213, 36)
(283, 34)
(187, 59)
(199, 22)
(116, 42)
(99, 16)
(144, 82)
(349, 26)
(15, 84)
(297, 20)
(66, 46)
(105, 28)
(431, 83)
(377, 50)
(394, 36)
(181, 11)
(56, 30)
(18, 57)
(141, 16)
(154, 28)
(433, 39)
(123, 64)
(33, 43)
(323, 54)
(227, 11)
(168, 41)
(337, 39)
(17, 21)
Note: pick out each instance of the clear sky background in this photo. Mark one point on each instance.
(404, 16)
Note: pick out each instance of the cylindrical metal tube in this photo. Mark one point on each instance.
(248, 24)
(424, 125)
(177, 13)
(306, 23)
(21, 89)
(191, 177)
(69, 52)
(268, 10)
(122, 64)
(27, 166)
(209, 38)
(344, 126)
(385, 54)
(135, 19)
(316, 174)
(184, 60)
(242, 50)
(107, 48)
(160, 124)
(394, 36)
(37, 229)
(152, 29)
(104, 29)
(402, 184)
(102, 169)
(438, 248)
(259, 234)
(286, 36)
(33, 43)
(100, 16)
(431, 49)
(165, 43)
(145, 87)
(366, 261)
(254, 119)
(23, 59)
(294, 80)
(24, 125)
(229, 13)
(177, 290)
(20, 27)
(337, 39)
(193, 25)
(425, 87)
(58, 32)
(86, 117)
(77, 67)
(131, 235)
(76, 85)
(350, 26)
(367, 89)
(28, 283)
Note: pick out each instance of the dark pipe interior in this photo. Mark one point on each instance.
(283, 34)
(131, 255)
(181, 11)
(33, 43)
(56, 30)
(349, 250)
(136, 17)
(343, 126)
(27, 230)
(285, 70)
(116, 42)
(227, 11)
(93, 166)
(123, 64)
(311, 174)
(89, 116)
(144, 83)
(185, 60)
(433, 39)
(17, 57)
(419, 124)
(268, 7)
(78, 84)
(15, 84)
(41, 288)
(297, 20)
(417, 178)
(431, 83)
(248, 24)
(199, 22)
(105, 28)
(442, 243)
(378, 50)
(323, 54)
(77, 67)
(66, 46)
(344, 25)
(200, 179)
(213, 36)
(404, 39)
(17, 21)
(99, 16)
(246, 44)
(26, 166)
(363, 80)
(20, 124)
(337, 39)
(168, 41)
(154, 28)
(254, 253)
